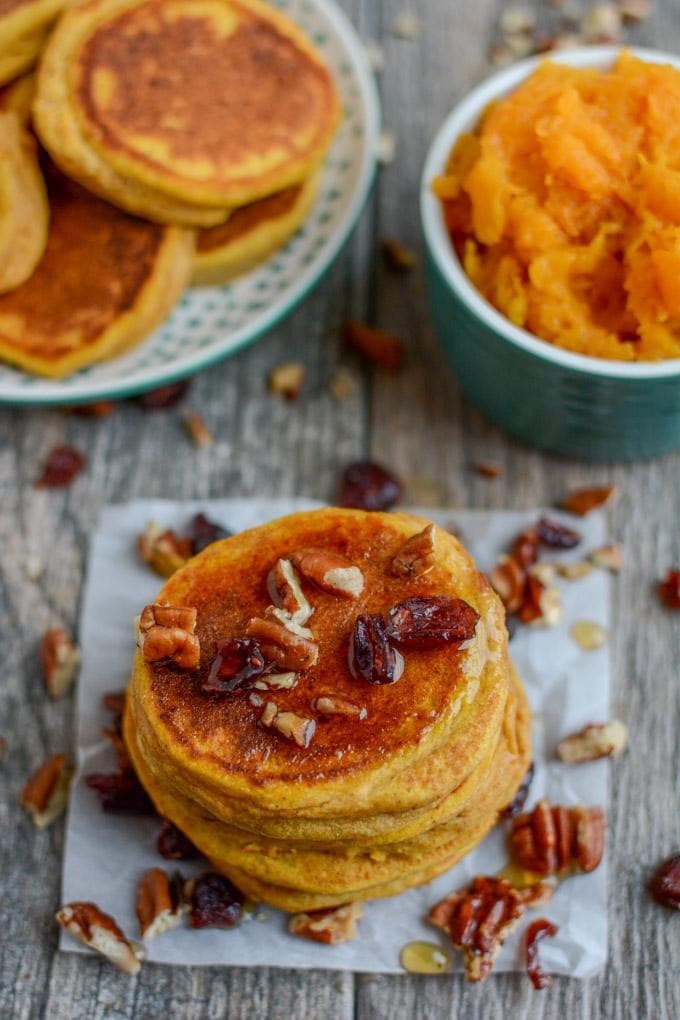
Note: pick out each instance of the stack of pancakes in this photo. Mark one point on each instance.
(196, 128)
(381, 799)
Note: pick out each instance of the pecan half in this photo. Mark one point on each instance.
(552, 839)
(159, 904)
(293, 727)
(478, 919)
(331, 926)
(45, 795)
(91, 926)
(281, 646)
(163, 549)
(285, 591)
(168, 632)
(330, 704)
(605, 740)
(60, 658)
(582, 501)
(330, 571)
(417, 556)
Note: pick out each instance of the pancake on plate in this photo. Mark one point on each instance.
(24, 26)
(325, 706)
(180, 110)
(17, 97)
(252, 233)
(24, 211)
(105, 281)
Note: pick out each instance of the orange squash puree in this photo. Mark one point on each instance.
(564, 207)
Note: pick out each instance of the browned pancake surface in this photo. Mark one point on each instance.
(247, 218)
(256, 89)
(96, 261)
(225, 726)
(7, 6)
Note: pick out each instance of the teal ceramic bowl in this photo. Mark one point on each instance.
(547, 397)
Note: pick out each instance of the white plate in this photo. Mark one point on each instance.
(210, 323)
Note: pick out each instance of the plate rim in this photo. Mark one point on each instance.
(151, 378)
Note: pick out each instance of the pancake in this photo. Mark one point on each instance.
(123, 85)
(17, 97)
(373, 801)
(218, 744)
(24, 212)
(252, 233)
(24, 26)
(105, 281)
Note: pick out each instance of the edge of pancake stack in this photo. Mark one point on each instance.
(325, 706)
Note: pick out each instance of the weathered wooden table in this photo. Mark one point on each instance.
(418, 424)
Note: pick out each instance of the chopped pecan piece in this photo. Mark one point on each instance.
(478, 919)
(91, 926)
(159, 905)
(665, 883)
(551, 839)
(197, 429)
(669, 589)
(285, 591)
(214, 901)
(281, 646)
(294, 727)
(330, 571)
(330, 704)
(331, 926)
(383, 349)
(163, 549)
(59, 657)
(599, 740)
(173, 845)
(276, 682)
(287, 380)
(537, 931)
(168, 632)
(583, 501)
(45, 795)
(417, 556)
(608, 557)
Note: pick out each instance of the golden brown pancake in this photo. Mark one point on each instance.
(372, 804)
(251, 234)
(212, 104)
(105, 281)
(17, 97)
(24, 212)
(24, 26)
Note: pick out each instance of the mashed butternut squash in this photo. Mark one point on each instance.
(564, 207)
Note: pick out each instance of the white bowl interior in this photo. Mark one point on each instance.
(464, 117)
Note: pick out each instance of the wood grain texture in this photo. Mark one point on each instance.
(417, 423)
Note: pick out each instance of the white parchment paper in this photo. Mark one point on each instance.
(106, 854)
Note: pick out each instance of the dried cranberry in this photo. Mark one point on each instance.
(669, 589)
(61, 467)
(556, 535)
(164, 396)
(516, 805)
(215, 902)
(203, 532)
(371, 656)
(174, 845)
(537, 931)
(665, 884)
(238, 661)
(368, 486)
(120, 793)
(429, 621)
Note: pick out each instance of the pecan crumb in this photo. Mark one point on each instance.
(287, 380)
(91, 926)
(45, 795)
(60, 658)
(598, 740)
(330, 704)
(197, 429)
(160, 904)
(381, 348)
(331, 926)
